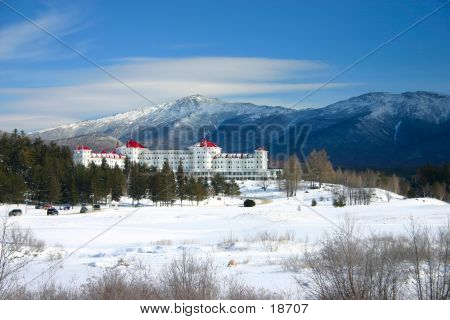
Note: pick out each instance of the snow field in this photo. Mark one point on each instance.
(259, 239)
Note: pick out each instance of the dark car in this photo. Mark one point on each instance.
(52, 212)
(84, 210)
(96, 207)
(15, 212)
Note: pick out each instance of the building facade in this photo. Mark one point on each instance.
(203, 159)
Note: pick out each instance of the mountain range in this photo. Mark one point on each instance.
(372, 130)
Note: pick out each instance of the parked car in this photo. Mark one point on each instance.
(15, 212)
(65, 207)
(52, 212)
(84, 210)
(39, 206)
(96, 207)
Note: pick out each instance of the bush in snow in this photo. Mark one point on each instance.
(18, 248)
(249, 203)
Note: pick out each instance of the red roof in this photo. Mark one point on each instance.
(207, 144)
(83, 148)
(134, 144)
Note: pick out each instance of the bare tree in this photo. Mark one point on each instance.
(320, 168)
(18, 248)
(429, 254)
(292, 175)
(264, 183)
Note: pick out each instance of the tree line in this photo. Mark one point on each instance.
(356, 186)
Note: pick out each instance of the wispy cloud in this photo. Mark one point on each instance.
(24, 42)
(161, 80)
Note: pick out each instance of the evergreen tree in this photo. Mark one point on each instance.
(168, 187)
(218, 184)
(190, 189)
(155, 186)
(117, 178)
(181, 183)
(199, 191)
(232, 189)
(54, 190)
(75, 196)
(16, 189)
(138, 183)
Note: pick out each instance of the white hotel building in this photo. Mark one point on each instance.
(203, 159)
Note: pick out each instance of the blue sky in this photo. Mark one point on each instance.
(266, 52)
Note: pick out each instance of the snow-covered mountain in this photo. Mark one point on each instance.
(383, 129)
(191, 114)
(374, 129)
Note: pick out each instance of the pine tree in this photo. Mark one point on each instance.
(190, 189)
(218, 184)
(117, 179)
(232, 189)
(16, 188)
(199, 191)
(54, 190)
(168, 187)
(138, 183)
(155, 185)
(181, 183)
(75, 195)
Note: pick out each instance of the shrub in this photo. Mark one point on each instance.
(115, 284)
(347, 266)
(313, 203)
(190, 278)
(249, 203)
(339, 201)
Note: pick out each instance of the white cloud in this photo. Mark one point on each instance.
(24, 41)
(32, 98)
(94, 93)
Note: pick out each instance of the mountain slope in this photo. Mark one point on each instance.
(173, 124)
(382, 129)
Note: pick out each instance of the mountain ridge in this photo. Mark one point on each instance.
(379, 126)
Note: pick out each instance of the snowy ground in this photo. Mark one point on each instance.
(258, 238)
